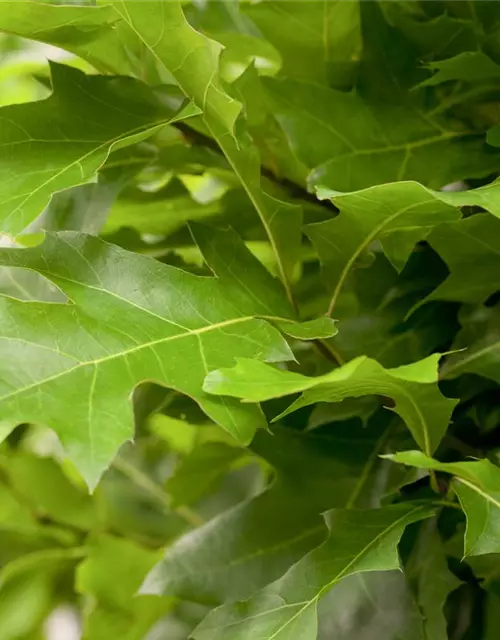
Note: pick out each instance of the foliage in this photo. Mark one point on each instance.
(249, 319)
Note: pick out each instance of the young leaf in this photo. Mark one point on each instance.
(359, 541)
(89, 116)
(477, 485)
(413, 387)
(130, 319)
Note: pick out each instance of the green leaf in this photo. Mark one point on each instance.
(478, 345)
(28, 586)
(351, 143)
(318, 42)
(42, 483)
(282, 221)
(374, 311)
(198, 474)
(428, 574)
(359, 541)
(90, 32)
(160, 213)
(254, 543)
(376, 213)
(123, 326)
(116, 610)
(477, 485)
(469, 66)
(371, 606)
(191, 57)
(471, 250)
(89, 117)
(413, 387)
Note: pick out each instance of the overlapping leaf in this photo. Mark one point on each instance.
(471, 250)
(352, 144)
(90, 32)
(478, 345)
(319, 43)
(359, 541)
(399, 215)
(131, 319)
(62, 141)
(413, 387)
(477, 485)
(155, 21)
(256, 542)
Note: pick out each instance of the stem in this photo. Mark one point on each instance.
(448, 503)
(143, 481)
(329, 351)
(293, 189)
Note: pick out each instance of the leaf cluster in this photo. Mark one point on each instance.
(250, 319)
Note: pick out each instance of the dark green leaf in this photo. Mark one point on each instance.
(359, 541)
(477, 485)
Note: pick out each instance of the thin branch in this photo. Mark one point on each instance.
(293, 190)
(143, 481)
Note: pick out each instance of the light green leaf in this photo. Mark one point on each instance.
(191, 57)
(160, 213)
(42, 483)
(282, 221)
(90, 32)
(413, 387)
(359, 541)
(130, 319)
(111, 574)
(89, 116)
(27, 589)
(469, 66)
(477, 485)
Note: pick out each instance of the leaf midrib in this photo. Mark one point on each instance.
(473, 356)
(337, 578)
(108, 143)
(366, 242)
(219, 139)
(121, 354)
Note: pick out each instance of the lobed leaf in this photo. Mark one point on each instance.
(413, 387)
(62, 141)
(131, 319)
(477, 485)
(359, 541)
